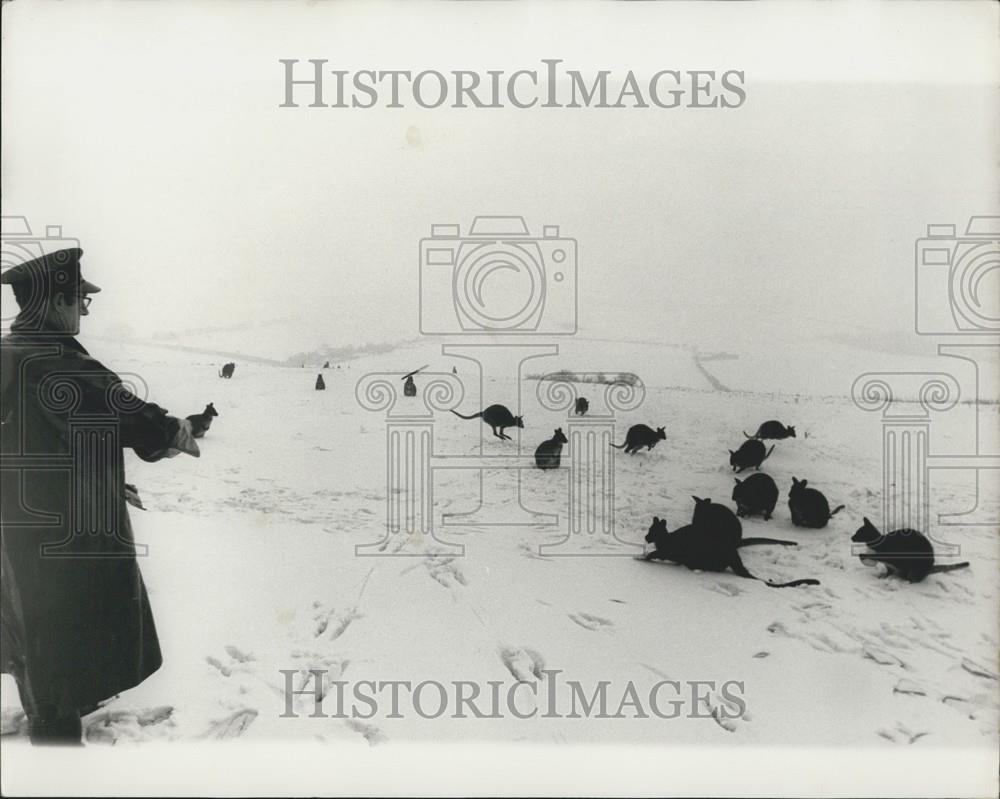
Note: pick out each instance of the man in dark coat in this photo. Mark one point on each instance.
(75, 622)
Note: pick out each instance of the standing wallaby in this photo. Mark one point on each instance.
(549, 453)
(710, 515)
(409, 387)
(582, 406)
(751, 453)
(756, 495)
(496, 416)
(808, 506)
(200, 422)
(320, 382)
(907, 553)
(773, 429)
(703, 548)
(639, 436)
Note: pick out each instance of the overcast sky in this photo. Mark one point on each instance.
(153, 133)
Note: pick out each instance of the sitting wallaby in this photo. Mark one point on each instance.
(200, 422)
(320, 383)
(750, 453)
(639, 436)
(906, 553)
(773, 429)
(758, 494)
(808, 506)
(705, 549)
(582, 406)
(496, 416)
(549, 453)
(227, 370)
(710, 515)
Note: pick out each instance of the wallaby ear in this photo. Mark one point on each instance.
(731, 452)
(795, 482)
(804, 483)
(867, 521)
(696, 499)
(656, 520)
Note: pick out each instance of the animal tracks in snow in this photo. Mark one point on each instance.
(524, 664)
(590, 622)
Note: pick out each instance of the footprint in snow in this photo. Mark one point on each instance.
(524, 664)
(232, 726)
(589, 621)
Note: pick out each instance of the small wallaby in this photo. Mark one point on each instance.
(549, 453)
(326, 365)
(227, 370)
(808, 506)
(907, 553)
(320, 383)
(773, 429)
(710, 515)
(200, 422)
(582, 406)
(756, 495)
(639, 436)
(705, 549)
(409, 387)
(496, 416)
(750, 453)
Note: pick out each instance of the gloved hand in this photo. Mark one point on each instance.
(132, 496)
(183, 441)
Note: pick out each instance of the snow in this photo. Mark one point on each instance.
(252, 570)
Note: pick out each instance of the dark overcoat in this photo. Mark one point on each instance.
(75, 622)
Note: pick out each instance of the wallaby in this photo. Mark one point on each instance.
(582, 406)
(326, 365)
(409, 387)
(713, 516)
(808, 506)
(705, 549)
(549, 453)
(757, 494)
(320, 382)
(227, 370)
(750, 453)
(907, 553)
(639, 436)
(496, 416)
(773, 429)
(200, 422)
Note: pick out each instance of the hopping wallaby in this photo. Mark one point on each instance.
(757, 494)
(549, 453)
(710, 515)
(706, 549)
(582, 406)
(496, 416)
(907, 553)
(320, 382)
(750, 453)
(773, 429)
(200, 422)
(808, 506)
(227, 370)
(639, 436)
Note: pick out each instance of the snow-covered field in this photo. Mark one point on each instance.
(252, 570)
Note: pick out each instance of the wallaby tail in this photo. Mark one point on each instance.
(220, 373)
(836, 510)
(619, 446)
(793, 583)
(748, 542)
(948, 567)
(768, 455)
(741, 570)
(462, 416)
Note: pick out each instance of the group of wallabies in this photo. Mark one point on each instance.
(712, 540)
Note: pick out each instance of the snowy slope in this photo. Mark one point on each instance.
(252, 570)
